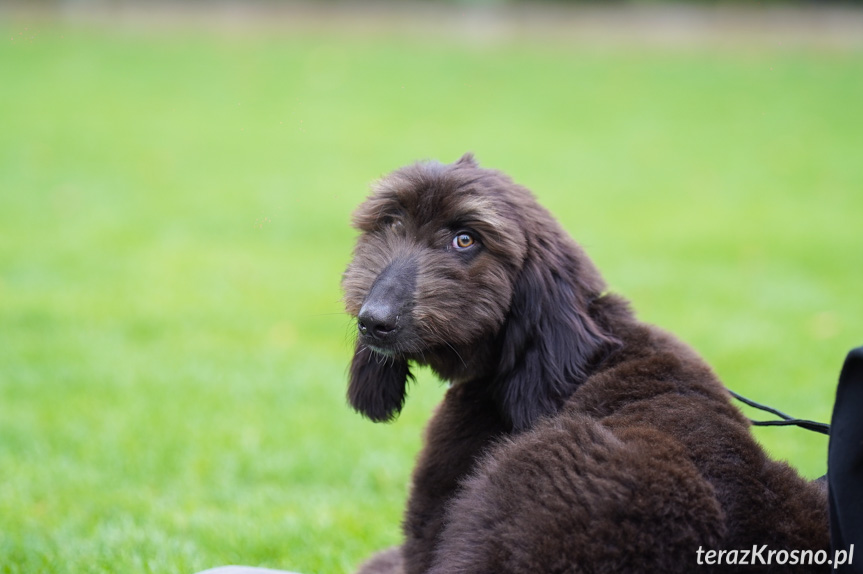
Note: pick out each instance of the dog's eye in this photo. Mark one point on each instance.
(392, 223)
(463, 241)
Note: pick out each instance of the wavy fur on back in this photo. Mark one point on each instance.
(573, 438)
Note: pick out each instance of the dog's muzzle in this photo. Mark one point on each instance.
(386, 311)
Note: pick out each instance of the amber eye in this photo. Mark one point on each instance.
(463, 241)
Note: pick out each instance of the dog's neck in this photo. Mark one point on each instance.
(464, 363)
(460, 364)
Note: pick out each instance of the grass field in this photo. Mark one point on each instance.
(174, 220)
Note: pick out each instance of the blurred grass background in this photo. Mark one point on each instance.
(174, 208)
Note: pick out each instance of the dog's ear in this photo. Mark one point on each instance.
(549, 343)
(377, 385)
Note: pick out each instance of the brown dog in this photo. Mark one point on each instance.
(573, 438)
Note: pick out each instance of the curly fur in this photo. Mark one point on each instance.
(573, 438)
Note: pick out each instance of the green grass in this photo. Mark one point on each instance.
(174, 211)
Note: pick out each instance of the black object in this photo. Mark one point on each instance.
(845, 465)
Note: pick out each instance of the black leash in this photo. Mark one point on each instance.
(787, 420)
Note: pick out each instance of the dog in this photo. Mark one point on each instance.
(573, 437)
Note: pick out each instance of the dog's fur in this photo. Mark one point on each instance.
(573, 437)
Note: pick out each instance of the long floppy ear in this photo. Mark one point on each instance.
(377, 385)
(549, 341)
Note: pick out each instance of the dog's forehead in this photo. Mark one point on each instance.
(430, 196)
(433, 192)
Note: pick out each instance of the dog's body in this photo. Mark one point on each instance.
(573, 438)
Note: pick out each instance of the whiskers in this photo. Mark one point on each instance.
(456, 354)
(430, 344)
(438, 337)
(382, 357)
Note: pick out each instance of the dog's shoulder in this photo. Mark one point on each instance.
(652, 367)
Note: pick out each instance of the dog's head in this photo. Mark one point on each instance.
(459, 268)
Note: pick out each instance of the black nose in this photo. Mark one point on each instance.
(378, 321)
(387, 308)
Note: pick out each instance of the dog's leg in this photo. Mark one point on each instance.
(465, 423)
(573, 496)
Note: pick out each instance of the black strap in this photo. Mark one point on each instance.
(787, 420)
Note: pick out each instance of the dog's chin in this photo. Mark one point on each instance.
(395, 349)
(407, 344)
(384, 351)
